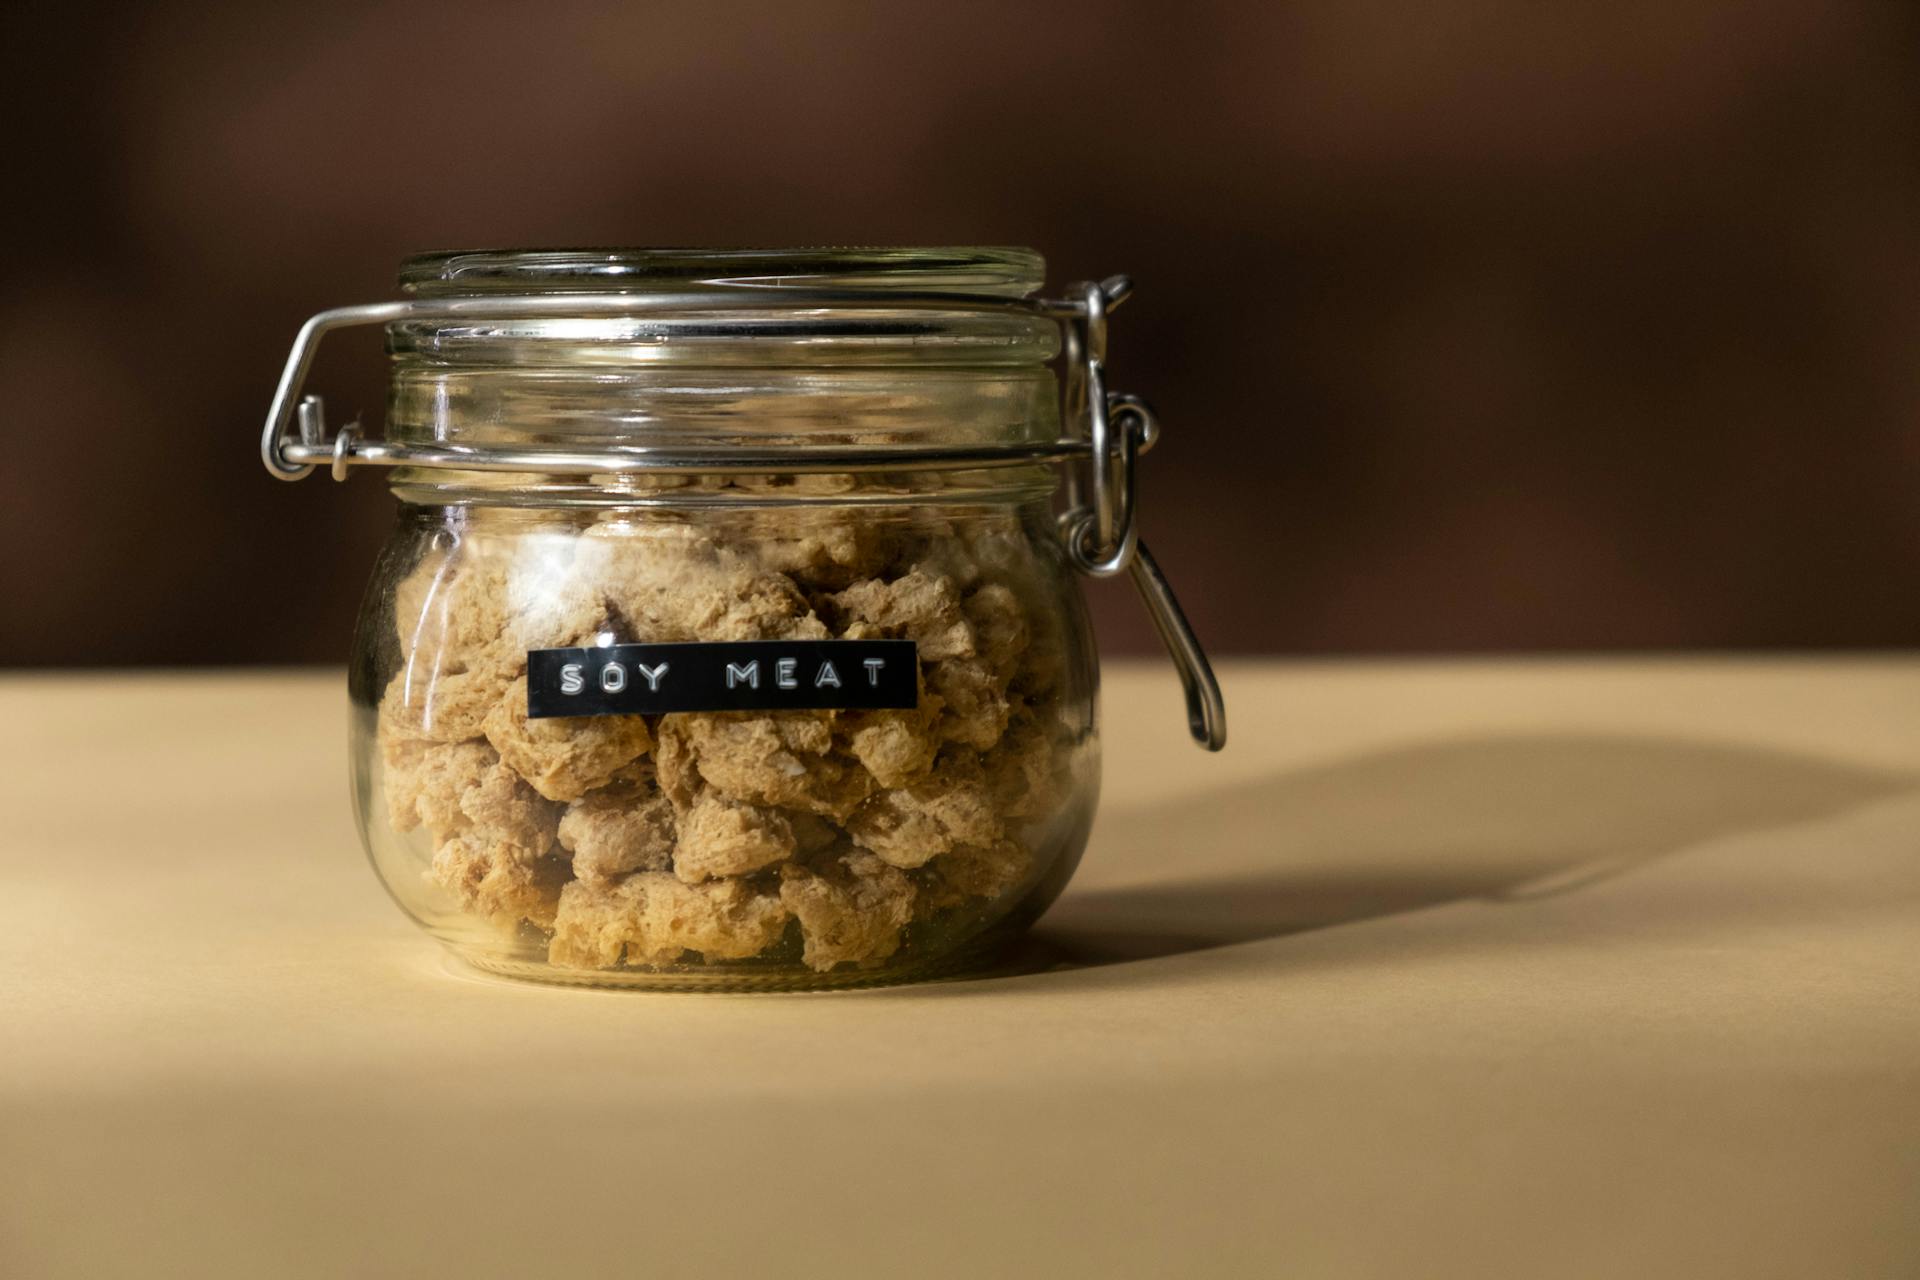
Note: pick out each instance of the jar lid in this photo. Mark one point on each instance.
(966, 271)
(587, 309)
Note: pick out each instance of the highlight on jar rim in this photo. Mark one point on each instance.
(728, 635)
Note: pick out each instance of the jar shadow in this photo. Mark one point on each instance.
(1495, 819)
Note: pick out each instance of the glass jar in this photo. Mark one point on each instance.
(727, 635)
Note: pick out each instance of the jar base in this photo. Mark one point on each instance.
(984, 956)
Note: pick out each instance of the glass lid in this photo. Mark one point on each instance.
(968, 271)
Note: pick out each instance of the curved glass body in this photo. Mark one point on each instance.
(761, 848)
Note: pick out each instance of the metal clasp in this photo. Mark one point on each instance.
(1098, 525)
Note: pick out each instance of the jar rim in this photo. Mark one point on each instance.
(929, 271)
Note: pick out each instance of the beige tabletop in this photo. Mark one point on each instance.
(1446, 969)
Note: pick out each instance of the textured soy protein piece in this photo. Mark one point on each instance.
(1023, 769)
(974, 699)
(975, 872)
(618, 830)
(722, 837)
(850, 911)
(895, 746)
(830, 547)
(651, 917)
(675, 767)
(917, 606)
(442, 706)
(504, 811)
(911, 825)
(672, 582)
(563, 758)
(999, 627)
(425, 780)
(780, 758)
(492, 883)
(465, 618)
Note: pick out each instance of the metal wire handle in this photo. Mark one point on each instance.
(1098, 526)
(1107, 433)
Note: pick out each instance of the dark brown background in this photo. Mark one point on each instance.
(1476, 326)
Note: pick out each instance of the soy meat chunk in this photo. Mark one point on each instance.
(824, 552)
(909, 826)
(674, 764)
(1023, 769)
(564, 611)
(895, 746)
(465, 631)
(999, 626)
(831, 547)
(799, 732)
(975, 702)
(720, 919)
(450, 602)
(777, 758)
(850, 911)
(930, 539)
(999, 553)
(564, 757)
(671, 582)
(505, 812)
(460, 786)
(617, 830)
(423, 701)
(974, 871)
(424, 781)
(999, 549)
(653, 918)
(982, 546)
(493, 883)
(721, 837)
(595, 921)
(545, 594)
(920, 606)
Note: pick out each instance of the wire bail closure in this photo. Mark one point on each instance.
(1098, 524)
(1107, 432)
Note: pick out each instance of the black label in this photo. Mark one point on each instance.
(747, 675)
